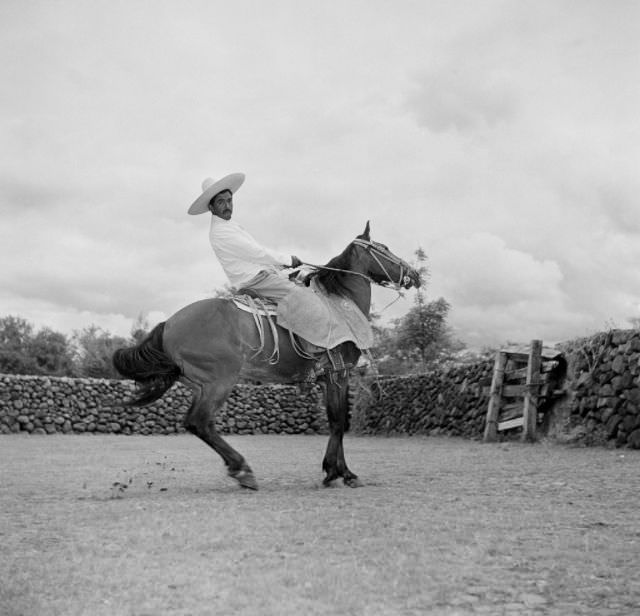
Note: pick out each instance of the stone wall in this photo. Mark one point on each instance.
(601, 404)
(48, 405)
(449, 402)
(603, 401)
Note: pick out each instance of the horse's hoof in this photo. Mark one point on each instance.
(246, 479)
(353, 482)
(329, 479)
(249, 484)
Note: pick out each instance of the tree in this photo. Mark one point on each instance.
(86, 353)
(51, 353)
(93, 352)
(15, 337)
(23, 352)
(422, 332)
(140, 328)
(420, 338)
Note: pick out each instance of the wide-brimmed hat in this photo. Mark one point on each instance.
(210, 188)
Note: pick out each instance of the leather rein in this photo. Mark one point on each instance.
(377, 251)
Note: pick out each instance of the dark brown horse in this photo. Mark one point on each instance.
(209, 345)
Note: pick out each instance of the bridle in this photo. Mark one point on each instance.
(376, 251)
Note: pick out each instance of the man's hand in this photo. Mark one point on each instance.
(295, 262)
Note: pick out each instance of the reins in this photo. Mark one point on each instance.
(337, 269)
(376, 252)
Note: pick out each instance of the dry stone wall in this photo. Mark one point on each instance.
(603, 401)
(49, 405)
(450, 402)
(601, 404)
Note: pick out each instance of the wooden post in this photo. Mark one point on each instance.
(530, 411)
(491, 424)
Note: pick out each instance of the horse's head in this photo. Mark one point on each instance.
(382, 266)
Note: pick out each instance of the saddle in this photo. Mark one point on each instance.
(316, 321)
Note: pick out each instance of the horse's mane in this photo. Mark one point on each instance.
(329, 278)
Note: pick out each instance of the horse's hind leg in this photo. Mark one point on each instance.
(208, 398)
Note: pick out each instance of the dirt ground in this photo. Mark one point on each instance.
(148, 526)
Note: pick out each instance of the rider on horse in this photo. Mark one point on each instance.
(248, 265)
(209, 345)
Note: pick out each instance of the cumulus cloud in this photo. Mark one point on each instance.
(501, 138)
(485, 272)
(619, 205)
(454, 97)
(498, 292)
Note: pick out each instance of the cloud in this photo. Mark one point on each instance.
(485, 272)
(500, 293)
(619, 203)
(462, 99)
(23, 194)
(501, 137)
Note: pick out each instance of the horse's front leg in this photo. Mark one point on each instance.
(337, 402)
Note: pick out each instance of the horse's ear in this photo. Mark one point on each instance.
(365, 235)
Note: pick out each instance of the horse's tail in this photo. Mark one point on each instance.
(149, 366)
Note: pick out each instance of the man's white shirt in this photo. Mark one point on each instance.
(241, 257)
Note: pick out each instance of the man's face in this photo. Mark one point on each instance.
(222, 205)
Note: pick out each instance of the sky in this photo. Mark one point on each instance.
(501, 137)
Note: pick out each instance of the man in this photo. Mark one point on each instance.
(247, 264)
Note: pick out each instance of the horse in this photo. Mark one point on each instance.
(211, 344)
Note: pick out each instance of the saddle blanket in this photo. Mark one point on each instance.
(324, 320)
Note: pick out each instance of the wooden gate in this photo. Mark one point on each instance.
(521, 380)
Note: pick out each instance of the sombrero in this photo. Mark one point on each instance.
(210, 188)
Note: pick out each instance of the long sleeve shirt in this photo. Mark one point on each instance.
(240, 255)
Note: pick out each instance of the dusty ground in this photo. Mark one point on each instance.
(443, 526)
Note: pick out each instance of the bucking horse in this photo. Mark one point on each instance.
(211, 344)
